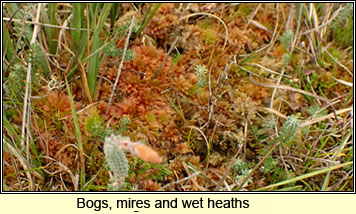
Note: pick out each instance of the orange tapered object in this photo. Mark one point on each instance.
(146, 153)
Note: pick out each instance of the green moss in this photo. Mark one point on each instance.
(150, 117)
(334, 52)
(209, 36)
(245, 9)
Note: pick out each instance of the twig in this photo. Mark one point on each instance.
(206, 140)
(194, 182)
(289, 23)
(75, 180)
(228, 169)
(62, 33)
(275, 127)
(256, 167)
(36, 23)
(80, 111)
(120, 67)
(269, 70)
(261, 26)
(335, 14)
(284, 163)
(349, 84)
(83, 74)
(208, 14)
(212, 102)
(275, 33)
(26, 108)
(310, 122)
(297, 30)
(275, 91)
(285, 87)
(179, 181)
(275, 112)
(252, 15)
(28, 78)
(155, 75)
(337, 62)
(331, 115)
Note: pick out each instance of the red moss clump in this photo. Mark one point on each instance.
(58, 102)
(139, 96)
(162, 22)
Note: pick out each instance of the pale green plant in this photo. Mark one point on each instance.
(286, 38)
(241, 171)
(288, 130)
(117, 161)
(286, 59)
(201, 72)
(344, 21)
(343, 16)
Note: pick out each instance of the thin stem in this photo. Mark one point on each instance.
(120, 67)
(155, 75)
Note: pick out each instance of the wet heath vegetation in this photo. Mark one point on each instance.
(178, 97)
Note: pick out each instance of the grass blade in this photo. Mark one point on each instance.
(78, 13)
(96, 43)
(305, 176)
(78, 135)
(144, 25)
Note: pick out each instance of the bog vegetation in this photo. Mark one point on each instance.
(178, 97)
